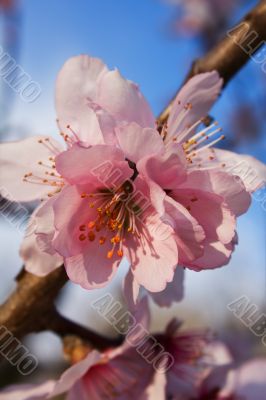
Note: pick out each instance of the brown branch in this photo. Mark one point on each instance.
(228, 57)
(31, 307)
(64, 327)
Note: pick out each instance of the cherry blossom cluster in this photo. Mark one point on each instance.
(121, 186)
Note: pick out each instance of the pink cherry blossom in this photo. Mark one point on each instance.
(219, 377)
(228, 382)
(115, 373)
(203, 16)
(209, 190)
(93, 212)
(199, 190)
(248, 382)
(104, 225)
(93, 100)
(187, 349)
(183, 186)
(42, 172)
(124, 373)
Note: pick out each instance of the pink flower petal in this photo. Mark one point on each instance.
(92, 269)
(50, 389)
(131, 290)
(137, 142)
(213, 197)
(249, 169)
(173, 292)
(123, 100)
(36, 260)
(86, 262)
(188, 232)
(222, 184)
(154, 260)
(247, 382)
(77, 83)
(44, 222)
(28, 392)
(23, 157)
(157, 389)
(91, 126)
(214, 380)
(200, 92)
(167, 170)
(125, 376)
(251, 380)
(211, 213)
(80, 165)
(215, 255)
(71, 211)
(75, 373)
(152, 253)
(88, 96)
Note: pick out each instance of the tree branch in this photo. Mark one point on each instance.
(64, 327)
(28, 308)
(31, 307)
(228, 57)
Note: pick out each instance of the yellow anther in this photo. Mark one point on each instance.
(110, 254)
(91, 236)
(115, 239)
(102, 240)
(120, 253)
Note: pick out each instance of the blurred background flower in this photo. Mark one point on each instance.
(206, 18)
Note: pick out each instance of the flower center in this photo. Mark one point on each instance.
(116, 213)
